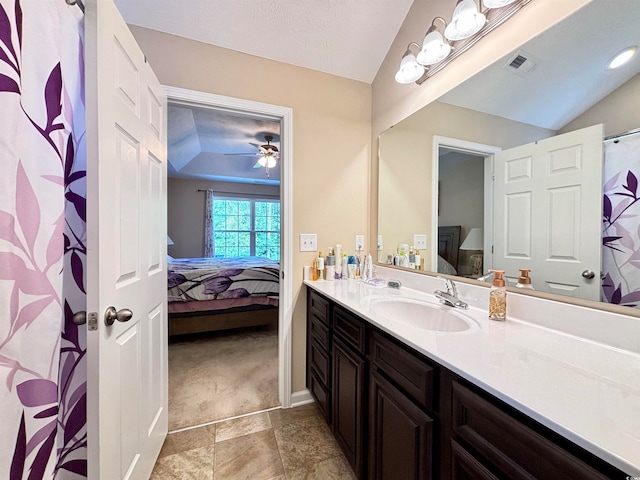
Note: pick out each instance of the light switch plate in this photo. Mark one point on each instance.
(379, 243)
(308, 242)
(420, 241)
(359, 243)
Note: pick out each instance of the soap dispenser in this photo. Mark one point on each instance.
(498, 297)
(524, 281)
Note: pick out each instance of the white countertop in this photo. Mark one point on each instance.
(586, 391)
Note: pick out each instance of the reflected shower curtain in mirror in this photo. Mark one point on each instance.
(621, 222)
(42, 241)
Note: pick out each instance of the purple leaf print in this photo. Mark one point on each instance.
(53, 97)
(10, 264)
(79, 202)
(38, 437)
(31, 311)
(55, 247)
(175, 279)
(39, 464)
(19, 22)
(216, 285)
(76, 419)
(37, 392)
(19, 452)
(78, 271)
(232, 272)
(8, 229)
(5, 32)
(75, 466)
(606, 208)
(68, 161)
(8, 84)
(47, 412)
(611, 183)
(632, 184)
(235, 293)
(27, 207)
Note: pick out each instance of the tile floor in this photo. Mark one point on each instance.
(290, 444)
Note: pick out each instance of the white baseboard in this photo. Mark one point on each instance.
(301, 398)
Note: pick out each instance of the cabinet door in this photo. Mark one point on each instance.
(348, 403)
(466, 466)
(400, 435)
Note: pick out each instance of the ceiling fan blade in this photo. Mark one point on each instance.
(253, 154)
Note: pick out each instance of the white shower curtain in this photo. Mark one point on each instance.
(42, 241)
(621, 222)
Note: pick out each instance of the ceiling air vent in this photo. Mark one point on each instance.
(521, 63)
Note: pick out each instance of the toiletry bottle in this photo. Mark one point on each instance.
(524, 281)
(314, 270)
(351, 266)
(412, 258)
(367, 272)
(498, 297)
(330, 266)
(320, 266)
(345, 270)
(418, 259)
(338, 254)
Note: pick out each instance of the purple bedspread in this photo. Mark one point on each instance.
(196, 279)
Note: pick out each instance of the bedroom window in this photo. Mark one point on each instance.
(245, 227)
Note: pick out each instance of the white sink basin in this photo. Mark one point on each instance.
(421, 314)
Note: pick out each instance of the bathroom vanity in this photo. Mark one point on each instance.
(489, 400)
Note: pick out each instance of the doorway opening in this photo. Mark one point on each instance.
(462, 204)
(229, 226)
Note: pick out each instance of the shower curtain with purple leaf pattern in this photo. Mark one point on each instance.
(42, 241)
(621, 222)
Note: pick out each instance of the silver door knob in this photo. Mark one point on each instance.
(79, 318)
(111, 315)
(588, 274)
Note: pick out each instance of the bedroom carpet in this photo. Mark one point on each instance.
(219, 375)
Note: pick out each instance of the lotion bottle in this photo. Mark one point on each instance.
(524, 281)
(498, 297)
(320, 260)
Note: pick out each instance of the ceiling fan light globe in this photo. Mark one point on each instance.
(262, 161)
(271, 162)
(434, 49)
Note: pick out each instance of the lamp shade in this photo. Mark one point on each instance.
(267, 160)
(169, 241)
(466, 21)
(410, 70)
(474, 240)
(497, 3)
(434, 48)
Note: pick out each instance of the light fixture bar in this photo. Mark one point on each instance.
(495, 18)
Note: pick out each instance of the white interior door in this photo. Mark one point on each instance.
(547, 212)
(126, 222)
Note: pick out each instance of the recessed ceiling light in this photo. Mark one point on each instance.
(623, 57)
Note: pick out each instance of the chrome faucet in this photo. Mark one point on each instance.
(450, 297)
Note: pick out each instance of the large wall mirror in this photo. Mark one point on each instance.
(509, 169)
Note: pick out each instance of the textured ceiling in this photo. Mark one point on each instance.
(348, 38)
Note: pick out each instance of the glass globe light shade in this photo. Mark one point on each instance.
(497, 3)
(434, 49)
(267, 160)
(410, 70)
(467, 20)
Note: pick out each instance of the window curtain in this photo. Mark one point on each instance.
(621, 220)
(208, 224)
(42, 241)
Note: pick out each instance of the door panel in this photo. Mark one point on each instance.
(546, 212)
(126, 221)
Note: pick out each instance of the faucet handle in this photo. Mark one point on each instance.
(450, 286)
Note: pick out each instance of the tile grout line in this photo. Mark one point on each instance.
(214, 422)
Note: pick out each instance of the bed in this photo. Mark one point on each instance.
(206, 294)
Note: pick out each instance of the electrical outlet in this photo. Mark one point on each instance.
(308, 242)
(420, 241)
(359, 243)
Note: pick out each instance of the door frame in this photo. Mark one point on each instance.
(285, 307)
(474, 148)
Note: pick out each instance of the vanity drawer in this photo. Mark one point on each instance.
(320, 362)
(320, 332)
(406, 369)
(350, 329)
(508, 445)
(322, 396)
(319, 306)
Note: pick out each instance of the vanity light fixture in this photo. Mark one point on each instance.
(434, 48)
(410, 70)
(467, 21)
(468, 25)
(623, 57)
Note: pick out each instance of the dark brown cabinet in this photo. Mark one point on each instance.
(400, 435)
(399, 415)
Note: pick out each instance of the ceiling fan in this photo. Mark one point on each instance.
(269, 154)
